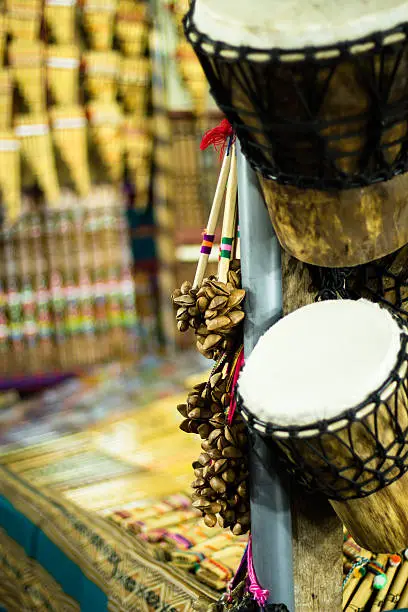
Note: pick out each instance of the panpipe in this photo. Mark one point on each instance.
(66, 295)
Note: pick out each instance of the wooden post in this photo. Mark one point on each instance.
(297, 540)
(317, 532)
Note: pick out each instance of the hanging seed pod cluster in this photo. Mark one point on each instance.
(214, 311)
(221, 470)
(213, 307)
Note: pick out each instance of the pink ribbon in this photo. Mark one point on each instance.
(233, 402)
(260, 595)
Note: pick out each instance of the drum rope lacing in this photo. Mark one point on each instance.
(281, 119)
(356, 475)
(332, 284)
(378, 283)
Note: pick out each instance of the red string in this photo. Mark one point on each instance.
(218, 137)
(233, 403)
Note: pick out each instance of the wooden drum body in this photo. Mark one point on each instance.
(326, 128)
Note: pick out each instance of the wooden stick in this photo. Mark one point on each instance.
(352, 584)
(213, 218)
(394, 594)
(403, 602)
(382, 594)
(229, 216)
(364, 592)
(238, 243)
(354, 581)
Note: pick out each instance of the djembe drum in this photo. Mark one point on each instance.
(329, 385)
(318, 96)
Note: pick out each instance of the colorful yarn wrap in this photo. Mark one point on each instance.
(394, 560)
(380, 579)
(207, 243)
(226, 247)
(358, 568)
(218, 137)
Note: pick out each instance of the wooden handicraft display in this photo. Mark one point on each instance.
(320, 110)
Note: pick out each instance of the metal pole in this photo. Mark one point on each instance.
(271, 524)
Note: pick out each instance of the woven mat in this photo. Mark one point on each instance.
(65, 486)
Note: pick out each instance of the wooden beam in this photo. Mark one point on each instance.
(317, 532)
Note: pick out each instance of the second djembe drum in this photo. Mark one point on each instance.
(328, 385)
(318, 96)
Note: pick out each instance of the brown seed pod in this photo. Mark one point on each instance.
(209, 493)
(229, 476)
(222, 443)
(214, 435)
(203, 459)
(220, 465)
(215, 379)
(238, 529)
(236, 317)
(185, 287)
(210, 314)
(210, 520)
(236, 297)
(182, 326)
(243, 489)
(214, 454)
(219, 302)
(182, 409)
(226, 399)
(209, 292)
(184, 301)
(202, 303)
(218, 485)
(233, 278)
(193, 311)
(229, 435)
(185, 426)
(201, 503)
(200, 482)
(211, 341)
(216, 323)
(218, 287)
(244, 519)
(205, 445)
(182, 314)
(232, 452)
(208, 472)
(203, 430)
(218, 419)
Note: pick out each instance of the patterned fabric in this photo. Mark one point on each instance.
(25, 585)
(59, 494)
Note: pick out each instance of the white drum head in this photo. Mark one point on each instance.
(319, 361)
(295, 24)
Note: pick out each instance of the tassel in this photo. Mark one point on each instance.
(260, 595)
(238, 367)
(218, 137)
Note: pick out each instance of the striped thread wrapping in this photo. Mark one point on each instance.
(226, 247)
(207, 243)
